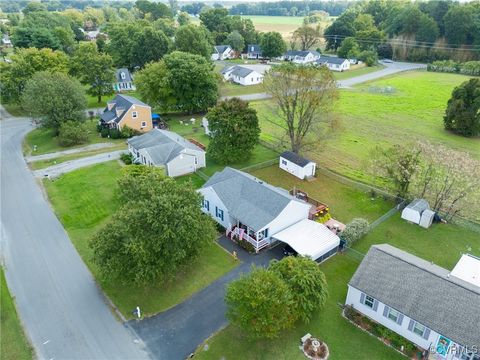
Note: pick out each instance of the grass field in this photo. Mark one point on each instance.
(13, 343)
(47, 143)
(84, 200)
(368, 118)
(356, 70)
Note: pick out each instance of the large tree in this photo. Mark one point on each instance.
(180, 81)
(260, 303)
(462, 115)
(150, 237)
(25, 63)
(307, 284)
(272, 44)
(349, 49)
(93, 69)
(194, 39)
(55, 98)
(307, 36)
(235, 40)
(304, 96)
(149, 45)
(227, 121)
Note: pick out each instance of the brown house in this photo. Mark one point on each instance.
(125, 110)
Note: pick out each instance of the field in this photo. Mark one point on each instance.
(13, 343)
(413, 112)
(84, 200)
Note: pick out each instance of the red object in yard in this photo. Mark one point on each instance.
(199, 144)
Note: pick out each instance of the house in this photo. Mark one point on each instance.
(250, 208)
(6, 42)
(418, 300)
(242, 75)
(301, 57)
(413, 211)
(123, 80)
(297, 165)
(254, 52)
(222, 52)
(167, 149)
(334, 63)
(125, 110)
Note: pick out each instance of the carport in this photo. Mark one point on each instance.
(310, 238)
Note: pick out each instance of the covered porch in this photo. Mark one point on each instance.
(259, 239)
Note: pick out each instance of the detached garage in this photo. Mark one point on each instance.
(310, 238)
(297, 165)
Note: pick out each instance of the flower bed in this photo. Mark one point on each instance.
(384, 334)
(315, 349)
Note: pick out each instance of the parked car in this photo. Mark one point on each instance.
(289, 251)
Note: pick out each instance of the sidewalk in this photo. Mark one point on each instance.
(68, 152)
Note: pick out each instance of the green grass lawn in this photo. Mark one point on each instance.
(356, 71)
(84, 200)
(41, 164)
(92, 101)
(47, 143)
(368, 118)
(13, 342)
(229, 88)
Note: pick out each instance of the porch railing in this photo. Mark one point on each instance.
(257, 244)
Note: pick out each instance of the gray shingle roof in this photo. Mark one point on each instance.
(118, 77)
(422, 291)
(248, 199)
(241, 71)
(161, 145)
(221, 48)
(120, 101)
(296, 159)
(330, 60)
(301, 53)
(418, 205)
(254, 49)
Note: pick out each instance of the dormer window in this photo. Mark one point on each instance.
(122, 75)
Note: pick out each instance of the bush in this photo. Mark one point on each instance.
(369, 57)
(104, 133)
(355, 230)
(73, 133)
(127, 158)
(246, 245)
(115, 134)
(128, 132)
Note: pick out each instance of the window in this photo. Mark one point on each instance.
(144, 124)
(206, 204)
(284, 162)
(219, 213)
(122, 75)
(369, 301)
(393, 314)
(418, 329)
(134, 114)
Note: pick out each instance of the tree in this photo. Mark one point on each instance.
(56, 98)
(173, 6)
(226, 120)
(235, 40)
(459, 25)
(260, 303)
(304, 96)
(272, 44)
(25, 63)
(341, 28)
(462, 115)
(369, 57)
(135, 183)
(194, 39)
(93, 69)
(181, 81)
(349, 49)
(153, 10)
(149, 45)
(150, 238)
(73, 133)
(307, 36)
(306, 281)
(216, 20)
(355, 230)
(183, 18)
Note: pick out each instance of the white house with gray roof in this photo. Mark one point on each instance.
(123, 80)
(222, 52)
(242, 75)
(334, 63)
(167, 149)
(301, 57)
(250, 208)
(420, 301)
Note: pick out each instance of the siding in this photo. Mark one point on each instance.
(181, 165)
(214, 200)
(144, 114)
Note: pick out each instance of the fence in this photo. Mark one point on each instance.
(260, 165)
(387, 215)
(354, 254)
(203, 175)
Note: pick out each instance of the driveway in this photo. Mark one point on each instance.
(64, 313)
(67, 166)
(177, 332)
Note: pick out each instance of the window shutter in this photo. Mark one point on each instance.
(410, 324)
(216, 211)
(426, 334)
(375, 305)
(400, 319)
(362, 298)
(385, 311)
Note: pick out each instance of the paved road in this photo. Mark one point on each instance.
(67, 166)
(390, 69)
(61, 307)
(176, 333)
(53, 155)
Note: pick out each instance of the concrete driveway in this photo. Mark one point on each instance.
(64, 313)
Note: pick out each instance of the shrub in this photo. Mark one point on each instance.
(104, 133)
(127, 158)
(355, 230)
(369, 57)
(73, 133)
(128, 132)
(115, 134)
(246, 245)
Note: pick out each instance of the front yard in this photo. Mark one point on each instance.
(84, 200)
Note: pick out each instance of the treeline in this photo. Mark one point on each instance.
(13, 6)
(423, 31)
(290, 8)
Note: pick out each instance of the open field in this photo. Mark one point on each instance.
(84, 200)
(47, 143)
(413, 112)
(13, 342)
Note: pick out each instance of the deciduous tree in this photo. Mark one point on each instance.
(272, 44)
(194, 39)
(235, 40)
(307, 36)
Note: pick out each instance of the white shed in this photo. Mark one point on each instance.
(413, 212)
(427, 218)
(297, 165)
(310, 238)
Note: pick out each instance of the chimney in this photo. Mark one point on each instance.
(110, 105)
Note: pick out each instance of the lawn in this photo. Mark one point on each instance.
(84, 200)
(92, 101)
(47, 143)
(13, 342)
(414, 111)
(229, 88)
(356, 70)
